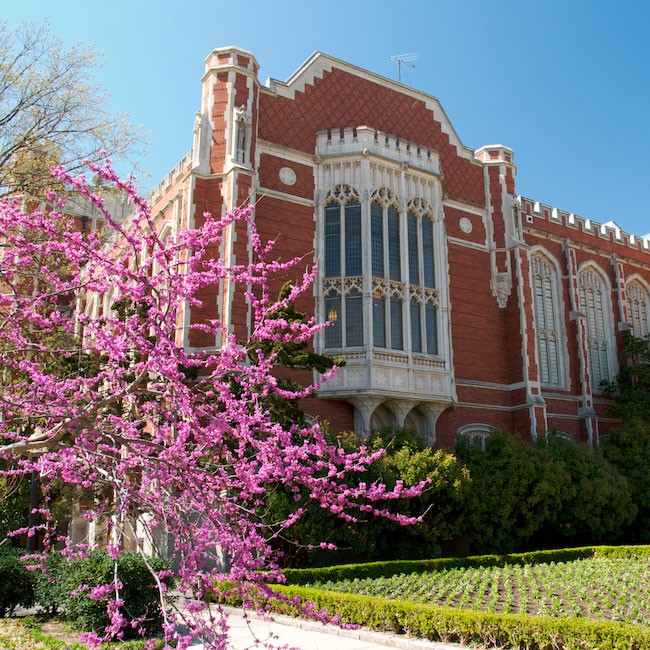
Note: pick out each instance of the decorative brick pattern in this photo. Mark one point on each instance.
(341, 99)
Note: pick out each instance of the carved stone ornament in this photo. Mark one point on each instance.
(287, 176)
(501, 288)
(465, 225)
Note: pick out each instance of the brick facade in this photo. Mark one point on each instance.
(529, 302)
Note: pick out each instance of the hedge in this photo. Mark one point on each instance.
(466, 627)
(139, 591)
(57, 591)
(387, 569)
(16, 583)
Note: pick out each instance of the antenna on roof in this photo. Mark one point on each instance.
(404, 60)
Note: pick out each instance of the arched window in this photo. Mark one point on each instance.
(474, 436)
(637, 307)
(554, 434)
(547, 323)
(595, 305)
(387, 287)
(343, 269)
(422, 294)
(343, 255)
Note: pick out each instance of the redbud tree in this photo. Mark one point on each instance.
(170, 443)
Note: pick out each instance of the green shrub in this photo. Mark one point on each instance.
(553, 493)
(139, 590)
(513, 492)
(407, 460)
(597, 504)
(386, 569)
(49, 589)
(16, 582)
(628, 449)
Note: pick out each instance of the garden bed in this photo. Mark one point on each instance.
(573, 599)
(613, 590)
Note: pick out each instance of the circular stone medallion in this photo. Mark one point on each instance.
(465, 225)
(287, 176)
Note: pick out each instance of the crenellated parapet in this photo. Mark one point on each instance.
(610, 231)
(185, 165)
(370, 141)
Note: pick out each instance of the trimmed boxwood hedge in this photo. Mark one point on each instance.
(462, 626)
(466, 627)
(387, 569)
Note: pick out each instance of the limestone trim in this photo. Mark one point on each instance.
(283, 196)
(285, 153)
(468, 244)
(465, 206)
(609, 230)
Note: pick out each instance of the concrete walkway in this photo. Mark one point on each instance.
(311, 635)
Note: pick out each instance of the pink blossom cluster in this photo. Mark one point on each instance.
(102, 401)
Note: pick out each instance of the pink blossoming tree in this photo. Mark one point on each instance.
(166, 440)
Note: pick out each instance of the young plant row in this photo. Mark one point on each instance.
(520, 631)
(609, 589)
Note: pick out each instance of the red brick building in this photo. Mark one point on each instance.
(458, 305)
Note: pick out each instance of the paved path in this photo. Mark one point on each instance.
(311, 635)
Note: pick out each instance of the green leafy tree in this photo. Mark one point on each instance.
(50, 110)
(553, 493)
(14, 505)
(443, 506)
(514, 492)
(631, 386)
(596, 501)
(628, 447)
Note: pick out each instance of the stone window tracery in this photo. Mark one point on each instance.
(474, 436)
(423, 297)
(637, 308)
(403, 298)
(548, 327)
(598, 330)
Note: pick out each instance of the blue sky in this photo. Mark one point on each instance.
(565, 83)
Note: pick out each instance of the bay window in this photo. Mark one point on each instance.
(401, 299)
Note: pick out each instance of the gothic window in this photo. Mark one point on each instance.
(474, 436)
(388, 294)
(423, 296)
(333, 334)
(637, 308)
(343, 269)
(343, 233)
(545, 297)
(596, 308)
(353, 319)
(400, 242)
